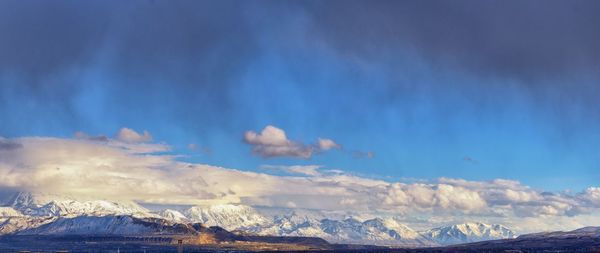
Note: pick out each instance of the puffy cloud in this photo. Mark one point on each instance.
(440, 196)
(270, 135)
(130, 136)
(510, 197)
(592, 195)
(327, 144)
(273, 142)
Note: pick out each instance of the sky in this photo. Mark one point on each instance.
(374, 103)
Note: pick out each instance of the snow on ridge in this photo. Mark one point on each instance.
(468, 232)
(173, 215)
(38, 204)
(108, 225)
(227, 216)
(58, 214)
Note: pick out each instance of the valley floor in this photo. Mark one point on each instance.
(160, 244)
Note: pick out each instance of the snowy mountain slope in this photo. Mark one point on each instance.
(388, 231)
(380, 228)
(468, 232)
(173, 215)
(403, 230)
(348, 230)
(109, 225)
(9, 225)
(293, 224)
(30, 213)
(373, 231)
(306, 223)
(230, 217)
(52, 205)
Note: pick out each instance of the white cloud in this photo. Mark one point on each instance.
(130, 136)
(273, 142)
(115, 169)
(592, 194)
(327, 144)
(438, 196)
(270, 136)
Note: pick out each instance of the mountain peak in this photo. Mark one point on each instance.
(228, 216)
(173, 215)
(54, 213)
(468, 232)
(41, 204)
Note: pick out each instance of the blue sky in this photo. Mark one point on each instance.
(469, 90)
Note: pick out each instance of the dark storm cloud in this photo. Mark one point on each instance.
(181, 53)
(175, 39)
(74, 65)
(515, 39)
(545, 54)
(190, 41)
(42, 37)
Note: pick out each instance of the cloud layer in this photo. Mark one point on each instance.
(119, 170)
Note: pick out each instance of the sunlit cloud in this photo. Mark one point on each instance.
(114, 169)
(273, 142)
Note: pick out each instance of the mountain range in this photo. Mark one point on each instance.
(46, 214)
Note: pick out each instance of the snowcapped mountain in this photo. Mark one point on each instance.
(33, 211)
(9, 225)
(379, 228)
(230, 217)
(52, 205)
(374, 231)
(28, 213)
(294, 224)
(109, 225)
(402, 230)
(468, 232)
(381, 231)
(173, 215)
(307, 223)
